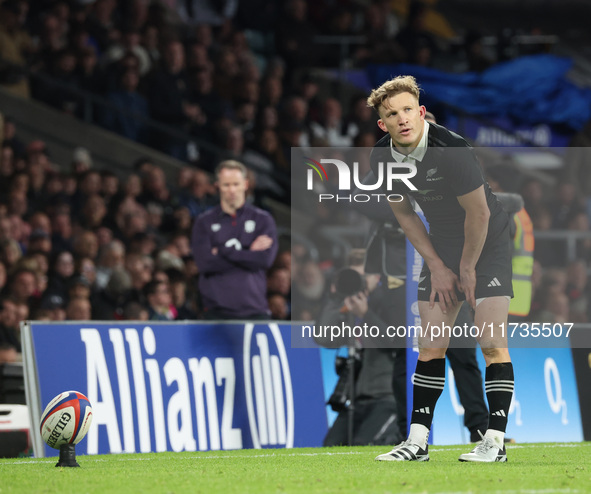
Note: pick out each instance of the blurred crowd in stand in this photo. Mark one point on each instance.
(80, 243)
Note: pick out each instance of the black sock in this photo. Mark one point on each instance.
(429, 380)
(499, 383)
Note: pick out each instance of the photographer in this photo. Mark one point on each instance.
(378, 414)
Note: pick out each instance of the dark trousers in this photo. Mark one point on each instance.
(468, 379)
(375, 421)
(469, 385)
(399, 387)
(213, 315)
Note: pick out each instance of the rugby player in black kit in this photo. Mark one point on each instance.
(466, 257)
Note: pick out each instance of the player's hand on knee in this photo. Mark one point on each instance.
(447, 300)
(468, 285)
(444, 283)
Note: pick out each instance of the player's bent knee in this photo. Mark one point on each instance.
(426, 354)
(496, 355)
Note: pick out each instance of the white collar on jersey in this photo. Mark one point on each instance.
(417, 153)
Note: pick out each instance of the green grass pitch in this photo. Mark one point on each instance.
(532, 469)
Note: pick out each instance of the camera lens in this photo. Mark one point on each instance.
(349, 282)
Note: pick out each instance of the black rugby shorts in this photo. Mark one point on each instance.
(493, 269)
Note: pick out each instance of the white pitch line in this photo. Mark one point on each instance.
(539, 491)
(201, 457)
(327, 453)
(520, 446)
(522, 491)
(564, 445)
(271, 455)
(25, 462)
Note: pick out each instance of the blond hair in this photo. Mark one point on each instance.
(231, 165)
(400, 84)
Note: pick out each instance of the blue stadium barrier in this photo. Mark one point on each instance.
(178, 386)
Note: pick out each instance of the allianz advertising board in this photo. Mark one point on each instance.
(178, 386)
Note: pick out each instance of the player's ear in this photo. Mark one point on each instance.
(422, 112)
(382, 125)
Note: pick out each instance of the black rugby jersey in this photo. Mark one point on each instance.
(449, 169)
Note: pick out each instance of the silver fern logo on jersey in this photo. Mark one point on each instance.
(430, 175)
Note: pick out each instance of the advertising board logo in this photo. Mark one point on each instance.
(554, 389)
(145, 400)
(268, 386)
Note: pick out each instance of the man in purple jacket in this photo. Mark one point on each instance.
(233, 246)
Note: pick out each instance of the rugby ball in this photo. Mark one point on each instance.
(66, 419)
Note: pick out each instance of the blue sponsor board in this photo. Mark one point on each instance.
(330, 377)
(505, 132)
(545, 406)
(179, 386)
(414, 265)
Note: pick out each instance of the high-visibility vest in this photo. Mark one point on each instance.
(523, 264)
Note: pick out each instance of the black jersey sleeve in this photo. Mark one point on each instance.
(463, 170)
